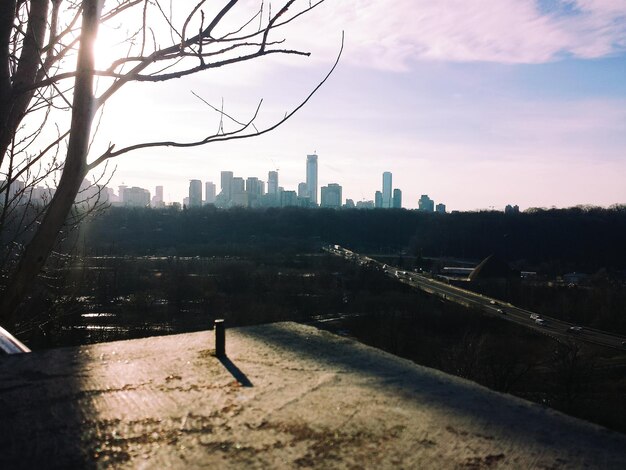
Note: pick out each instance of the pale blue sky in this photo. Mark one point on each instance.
(476, 103)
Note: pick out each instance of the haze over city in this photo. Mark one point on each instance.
(523, 102)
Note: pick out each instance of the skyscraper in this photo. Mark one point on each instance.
(303, 191)
(440, 208)
(331, 196)
(136, 197)
(209, 192)
(238, 185)
(426, 204)
(387, 190)
(195, 193)
(311, 177)
(253, 186)
(157, 200)
(378, 200)
(397, 199)
(272, 182)
(121, 188)
(227, 182)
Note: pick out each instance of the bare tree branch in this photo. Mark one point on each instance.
(237, 134)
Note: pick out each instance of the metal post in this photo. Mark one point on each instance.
(220, 338)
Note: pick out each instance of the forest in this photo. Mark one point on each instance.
(548, 240)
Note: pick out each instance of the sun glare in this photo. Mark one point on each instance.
(109, 46)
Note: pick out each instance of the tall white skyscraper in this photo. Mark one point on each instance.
(272, 182)
(387, 197)
(311, 177)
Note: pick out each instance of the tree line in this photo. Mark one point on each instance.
(549, 240)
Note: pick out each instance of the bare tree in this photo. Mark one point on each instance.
(47, 64)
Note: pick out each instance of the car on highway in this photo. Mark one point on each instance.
(540, 322)
(575, 329)
(535, 316)
(500, 311)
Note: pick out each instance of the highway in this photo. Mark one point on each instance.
(546, 325)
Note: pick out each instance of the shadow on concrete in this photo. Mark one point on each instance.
(499, 415)
(42, 412)
(235, 371)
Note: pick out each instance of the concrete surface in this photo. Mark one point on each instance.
(288, 396)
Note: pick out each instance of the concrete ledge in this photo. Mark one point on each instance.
(287, 396)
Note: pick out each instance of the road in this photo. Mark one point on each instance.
(546, 325)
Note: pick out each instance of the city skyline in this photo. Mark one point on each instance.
(250, 192)
(524, 102)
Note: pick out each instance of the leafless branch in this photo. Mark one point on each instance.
(235, 135)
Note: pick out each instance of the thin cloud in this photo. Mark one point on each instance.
(392, 34)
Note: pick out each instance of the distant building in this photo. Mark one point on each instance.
(3, 191)
(426, 204)
(253, 186)
(114, 198)
(440, 208)
(136, 197)
(120, 191)
(226, 180)
(349, 204)
(240, 199)
(195, 193)
(40, 196)
(311, 177)
(16, 190)
(331, 196)
(397, 199)
(272, 182)
(288, 198)
(378, 200)
(303, 190)
(157, 199)
(365, 205)
(509, 209)
(387, 198)
(90, 195)
(209, 192)
(270, 199)
(238, 185)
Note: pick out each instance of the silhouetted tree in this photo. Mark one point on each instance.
(47, 62)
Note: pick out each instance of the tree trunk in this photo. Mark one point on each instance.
(7, 15)
(74, 170)
(13, 100)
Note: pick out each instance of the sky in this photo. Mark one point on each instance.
(477, 103)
